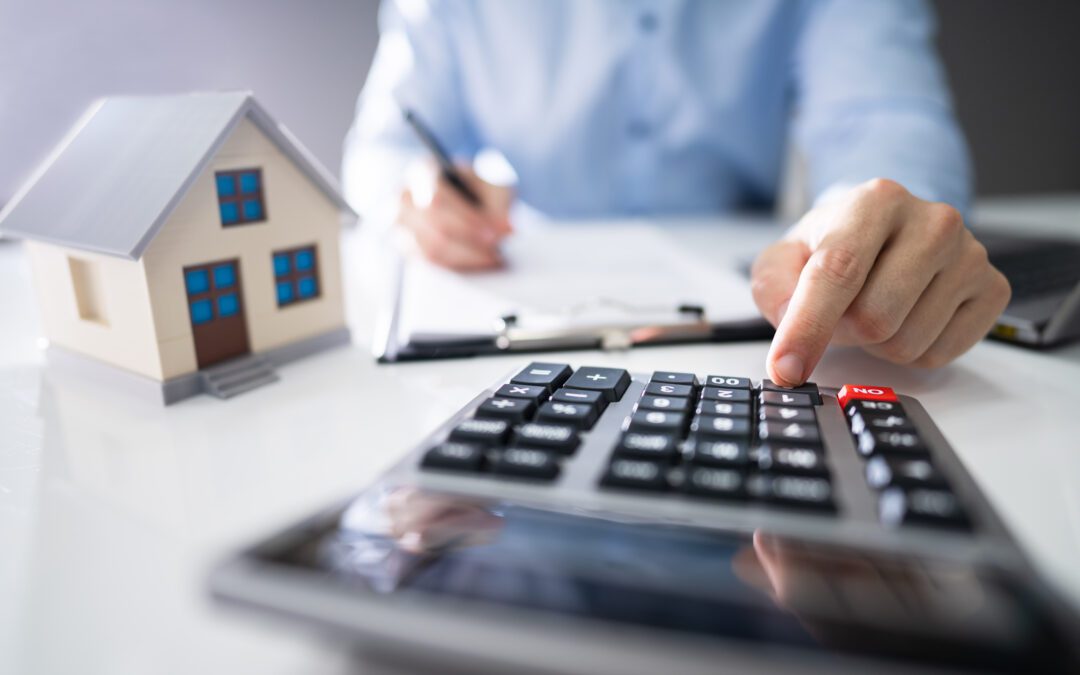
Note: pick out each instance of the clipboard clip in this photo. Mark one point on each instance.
(687, 324)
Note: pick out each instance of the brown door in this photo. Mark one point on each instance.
(216, 309)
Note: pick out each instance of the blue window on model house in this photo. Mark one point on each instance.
(240, 197)
(212, 291)
(296, 275)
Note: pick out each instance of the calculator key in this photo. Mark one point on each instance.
(713, 426)
(706, 481)
(670, 403)
(513, 409)
(883, 472)
(809, 389)
(454, 457)
(526, 463)
(580, 396)
(783, 398)
(485, 432)
(665, 389)
(526, 391)
(726, 382)
(667, 377)
(550, 376)
(861, 421)
(791, 459)
(782, 413)
(557, 437)
(864, 392)
(724, 408)
(729, 452)
(578, 415)
(789, 432)
(921, 507)
(635, 473)
(657, 421)
(727, 395)
(873, 408)
(804, 491)
(611, 382)
(902, 443)
(658, 447)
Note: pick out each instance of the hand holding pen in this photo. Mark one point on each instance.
(460, 221)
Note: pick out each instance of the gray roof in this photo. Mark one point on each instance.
(112, 182)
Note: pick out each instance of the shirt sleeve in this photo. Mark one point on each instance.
(415, 67)
(872, 101)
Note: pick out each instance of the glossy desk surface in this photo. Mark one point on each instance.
(112, 508)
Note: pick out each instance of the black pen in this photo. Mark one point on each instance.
(449, 172)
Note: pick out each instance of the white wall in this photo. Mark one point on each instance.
(305, 60)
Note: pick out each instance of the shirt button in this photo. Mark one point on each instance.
(648, 22)
(638, 129)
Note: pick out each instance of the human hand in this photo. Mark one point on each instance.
(449, 229)
(879, 268)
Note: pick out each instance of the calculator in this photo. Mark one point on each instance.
(595, 520)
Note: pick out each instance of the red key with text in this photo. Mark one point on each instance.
(864, 392)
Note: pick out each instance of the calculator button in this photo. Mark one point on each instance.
(724, 408)
(578, 415)
(883, 472)
(791, 459)
(513, 409)
(781, 413)
(524, 391)
(726, 382)
(727, 395)
(668, 403)
(789, 432)
(550, 376)
(665, 389)
(549, 436)
(611, 382)
(580, 396)
(635, 473)
(861, 421)
(922, 507)
(667, 377)
(659, 447)
(486, 432)
(454, 457)
(713, 426)
(783, 398)
(809, 389)
(657, 421)
(864, 392)
(527, 463)
(719, 452)
(873, 408)
(804, 491)
(705, 481)
(890, 443)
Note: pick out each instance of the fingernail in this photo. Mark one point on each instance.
(789, 368)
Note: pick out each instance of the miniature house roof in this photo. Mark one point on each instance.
(111, 184)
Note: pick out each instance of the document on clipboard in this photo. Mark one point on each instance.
(569, 286)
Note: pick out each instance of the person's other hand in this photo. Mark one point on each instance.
(879, 268)
(448, 228)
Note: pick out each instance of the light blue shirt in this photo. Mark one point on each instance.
(636, 107)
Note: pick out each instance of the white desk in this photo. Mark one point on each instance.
(111, 509)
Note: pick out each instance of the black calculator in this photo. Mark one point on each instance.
(595, 520)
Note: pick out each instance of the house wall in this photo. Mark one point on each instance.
(123, 333)
(298, 214)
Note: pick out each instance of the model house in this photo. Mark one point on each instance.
(182, 244)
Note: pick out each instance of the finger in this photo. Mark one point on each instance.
(972, 321)
(452, 253)
(774, 276)
(833, 276)
(490, 226)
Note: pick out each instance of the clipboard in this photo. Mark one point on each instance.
(604, 320)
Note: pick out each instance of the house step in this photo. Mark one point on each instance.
(237, 376)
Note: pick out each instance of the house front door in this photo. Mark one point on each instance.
(216, 309)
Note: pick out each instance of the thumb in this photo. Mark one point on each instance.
(775, 275)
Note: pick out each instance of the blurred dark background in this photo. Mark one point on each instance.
(1013, 66)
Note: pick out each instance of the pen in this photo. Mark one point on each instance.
(449, 172)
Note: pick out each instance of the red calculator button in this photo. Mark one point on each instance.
(864, 392)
